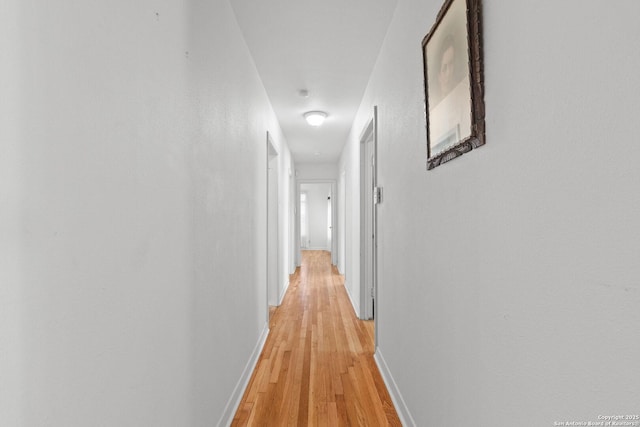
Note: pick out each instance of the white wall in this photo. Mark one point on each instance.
(508, 278)
(133, 217)
(286, 216)
(321, 171)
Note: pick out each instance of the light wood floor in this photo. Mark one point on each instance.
(317, 366)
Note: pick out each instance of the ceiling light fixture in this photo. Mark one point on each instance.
(315, 118)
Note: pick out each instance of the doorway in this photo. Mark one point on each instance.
(315, 216)
(273, 245)
(341, 224)
(368, 201)
(316, 209)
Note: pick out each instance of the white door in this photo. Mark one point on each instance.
(329, 222)
(273, 296)
(314, 221)
(342, 221)
(304, 221)
(367, 227)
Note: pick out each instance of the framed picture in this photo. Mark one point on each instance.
(453, 82)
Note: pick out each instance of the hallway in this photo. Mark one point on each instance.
(317, 366)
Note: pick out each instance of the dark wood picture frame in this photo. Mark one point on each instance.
(454, 82)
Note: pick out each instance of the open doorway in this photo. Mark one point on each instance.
(316, 209)
(368, 202)
(315, 216)
(342, 223)
(273, 272)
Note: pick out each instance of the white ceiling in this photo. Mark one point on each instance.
(328, 48)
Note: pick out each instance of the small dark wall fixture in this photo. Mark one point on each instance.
(454, 82)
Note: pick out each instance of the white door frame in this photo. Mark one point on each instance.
(334, 229)
(342, 224)
(368, 221)
(273, 235)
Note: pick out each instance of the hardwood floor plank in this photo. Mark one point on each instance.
(383, 393)
(317, 366)
(303, 403)
(353, 403)
(277, 365)
(332, 414)
(341, 408)
(242, 416)
(365, 378)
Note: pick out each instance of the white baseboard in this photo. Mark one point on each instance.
(236, 397)
(401, 407)
(284, 292)
(356, 307)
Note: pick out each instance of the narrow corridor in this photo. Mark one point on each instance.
(317, 366)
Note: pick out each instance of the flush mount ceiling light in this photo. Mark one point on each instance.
(315, 118)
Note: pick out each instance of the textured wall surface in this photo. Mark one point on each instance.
(508, 278)
(133, 218)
